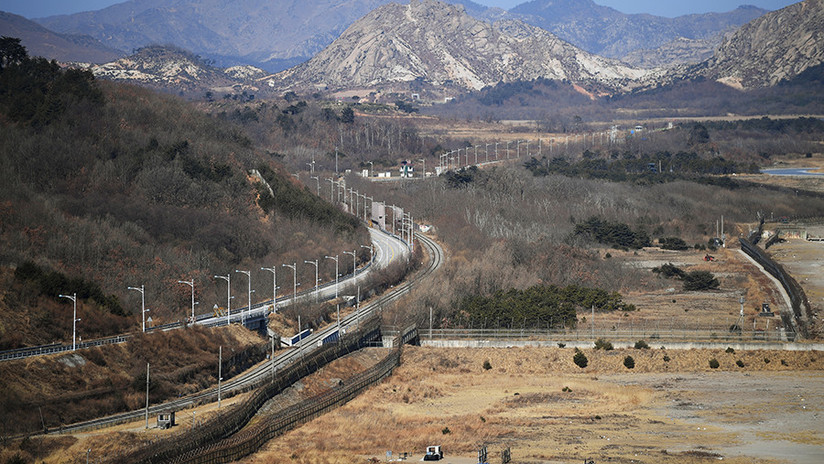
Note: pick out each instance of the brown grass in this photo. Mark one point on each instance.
(534, 400)
(72, 387)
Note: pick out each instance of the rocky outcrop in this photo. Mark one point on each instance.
(440, 44)
(777, 46)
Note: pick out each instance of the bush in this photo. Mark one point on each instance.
(729, 350)
(629, 363)
(766, 360)
(669, 271)
(602, 344)
(487, 365)
(700, 280)
(561, 345)
(446, 431)
(739, 363)
(673, 243)
(566, 390)
(666, 359)
(714, 363)
(641, 345)
(580, 359)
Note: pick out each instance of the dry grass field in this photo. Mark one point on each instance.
(666, 306)
(547, 410)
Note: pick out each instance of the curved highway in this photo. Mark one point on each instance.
(389, 246)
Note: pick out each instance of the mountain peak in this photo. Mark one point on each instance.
(431, 42)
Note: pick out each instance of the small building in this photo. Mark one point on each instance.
(166, 420)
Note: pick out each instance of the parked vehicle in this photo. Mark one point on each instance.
(433, 453)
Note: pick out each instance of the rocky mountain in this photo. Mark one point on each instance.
(273, 34)
(608, 32)
(40, 41)
(429, 42)
(174, 70)
(777, 46)
(680, 51)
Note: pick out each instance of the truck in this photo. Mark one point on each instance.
(433, 453)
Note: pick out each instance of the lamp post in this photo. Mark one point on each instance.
(371, 251)
(487, 152)
(228, 279)
(314, 263)
(273, 270)
(331, 189)
(354, 263)
(365, 211)
(317, 180)
(248, 298)
(294, 267)
(190, 283)
(73, 297)
(142, 303)
(336, 273)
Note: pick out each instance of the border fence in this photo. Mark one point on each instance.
(798, 299)
(172, 449)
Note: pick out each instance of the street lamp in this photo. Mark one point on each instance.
(190, 283)
(331, 189)
(273, 270)
(365, 211)
(228, 279)
(314, 263)
(354, 263)
(317, 180)
(336, 273)
(248, 298)
(371, 251)
(142, 303)
(294, 267)
(73, 297)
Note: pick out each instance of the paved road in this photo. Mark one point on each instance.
(796, 172)
(261, 372)
(388, 248)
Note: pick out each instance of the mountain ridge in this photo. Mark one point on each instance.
(441, 44)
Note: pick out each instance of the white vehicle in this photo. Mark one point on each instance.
(433, 453)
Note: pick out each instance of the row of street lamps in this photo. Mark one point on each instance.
(229, 297)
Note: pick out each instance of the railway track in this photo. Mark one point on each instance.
(260, 373)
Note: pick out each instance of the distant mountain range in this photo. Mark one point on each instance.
(277, 34)
(40, 41)
(441, 45)
(608, 32)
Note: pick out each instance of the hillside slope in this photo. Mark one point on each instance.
(608, 32)
(61, 47)
(117, 186)
(777, 46)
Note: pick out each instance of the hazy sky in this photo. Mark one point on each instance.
(41, 8)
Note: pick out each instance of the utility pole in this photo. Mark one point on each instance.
(336, 160)
(142, 303)
(294, 267)
(219, 373)
(248, 298)
(147, 395)
(228, 279)
(314, 263)
(73, 297)
(190, 283)
(273, 270)
(317, 180)
(336, 258)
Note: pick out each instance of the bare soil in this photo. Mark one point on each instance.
(666, 306)
(537, 402)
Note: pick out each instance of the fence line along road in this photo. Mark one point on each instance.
(259, 374)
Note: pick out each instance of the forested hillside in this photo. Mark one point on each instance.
(115, 186)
